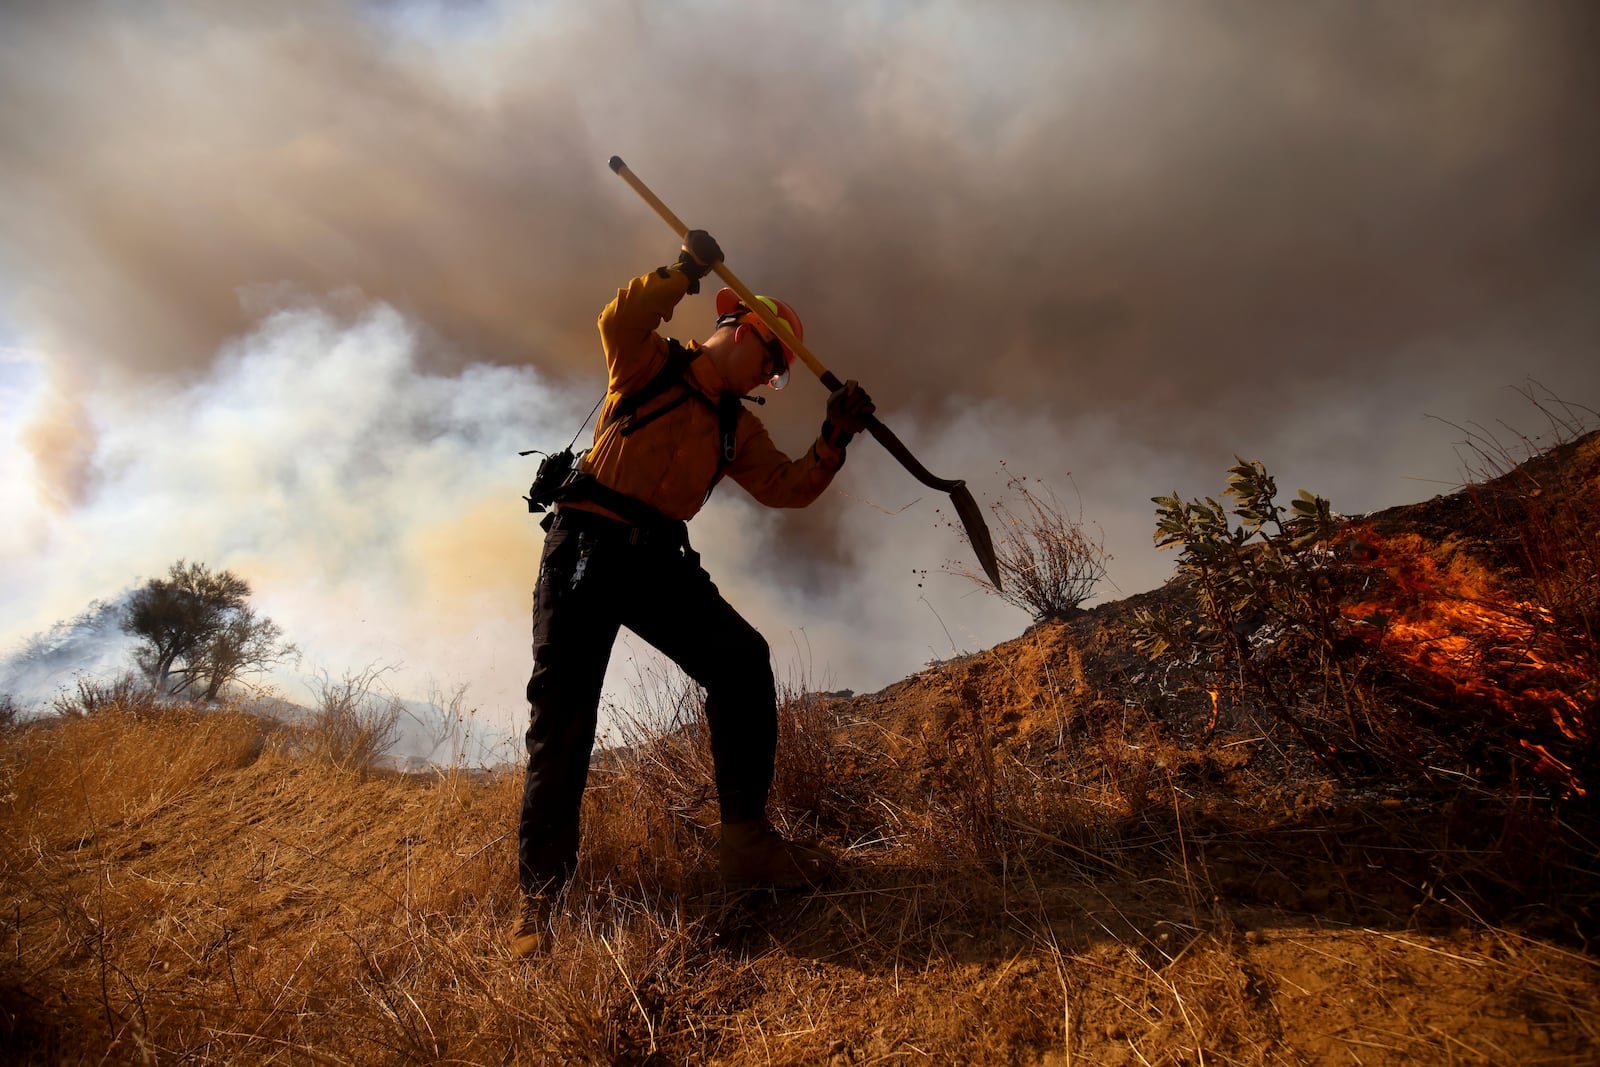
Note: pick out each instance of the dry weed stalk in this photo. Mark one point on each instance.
(91, 696)
(1049, 563)
(354, 724)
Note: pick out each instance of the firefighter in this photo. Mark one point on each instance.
(616, 553)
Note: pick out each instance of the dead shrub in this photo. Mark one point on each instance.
(446, 721)
(651, 805)
(801, 786)
(809, 787)
(1049, 562)
(354, 724)
(652, 796)
(91, 696)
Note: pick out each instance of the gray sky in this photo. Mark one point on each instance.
(286, 286)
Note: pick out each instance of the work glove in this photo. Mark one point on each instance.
(849, 412)
(699, 254)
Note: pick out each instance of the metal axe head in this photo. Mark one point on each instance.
(977, 530)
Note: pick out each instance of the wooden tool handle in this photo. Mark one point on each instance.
(779, 328)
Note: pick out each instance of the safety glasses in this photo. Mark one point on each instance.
(777, 364)
(775, 367)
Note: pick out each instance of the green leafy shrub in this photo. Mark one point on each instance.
(1265, 623)
(1380, 647)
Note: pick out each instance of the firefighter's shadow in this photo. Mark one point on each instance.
(874, 918)
(1338, 868)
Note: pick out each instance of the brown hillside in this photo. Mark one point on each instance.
(1056, 851)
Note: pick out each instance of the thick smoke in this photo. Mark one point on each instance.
(290, 284)
(90, 646)
(373, 506)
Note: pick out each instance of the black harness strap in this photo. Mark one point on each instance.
(679, 356)
(581, 485)
(651, 524)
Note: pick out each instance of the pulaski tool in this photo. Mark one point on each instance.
(966, 508)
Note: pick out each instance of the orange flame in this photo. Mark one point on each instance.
(1456, 628)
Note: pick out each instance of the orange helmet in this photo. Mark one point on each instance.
(731, 312)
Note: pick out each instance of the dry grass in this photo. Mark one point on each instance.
(1047, 861)
(175, 890)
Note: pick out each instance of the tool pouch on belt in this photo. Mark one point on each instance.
(553, 472)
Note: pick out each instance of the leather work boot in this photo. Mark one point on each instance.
(755, 856)
(532, 936)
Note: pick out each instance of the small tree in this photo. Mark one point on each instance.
(246, 643)
(197, 626)
(1049, 565)
(1270, 571)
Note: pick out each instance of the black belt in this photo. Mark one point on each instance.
(668, 534)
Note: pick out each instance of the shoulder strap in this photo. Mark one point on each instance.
(581, 485)
(679, 356)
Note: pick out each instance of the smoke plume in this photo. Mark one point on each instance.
(288, 286)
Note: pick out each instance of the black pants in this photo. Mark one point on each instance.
(592, 581)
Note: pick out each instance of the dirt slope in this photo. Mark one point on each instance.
(1049, 859)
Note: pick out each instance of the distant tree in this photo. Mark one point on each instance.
(197, 628)
(246, 643)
